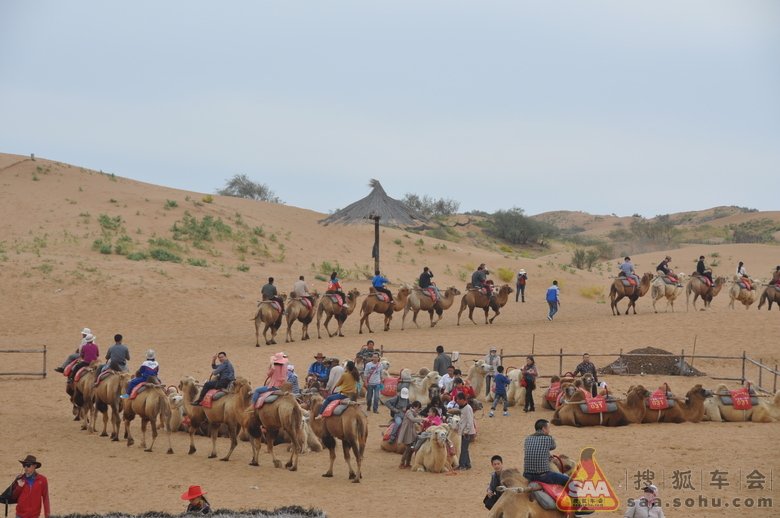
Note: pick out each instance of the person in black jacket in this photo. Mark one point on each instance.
(703, 270)
(493, 494)
(425, 282)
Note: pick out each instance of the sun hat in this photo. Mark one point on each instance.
(193, 492)
(493, 349)
(30, 459)
(405, 393)
(290, 367)
(650, 487)
(89, 338)
(319, 355)
(150, 354)
(278, 360)
(522, 271)
(335, 360)
(86, 331)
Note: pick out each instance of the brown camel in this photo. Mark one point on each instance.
(351, 427)
(770, 294)
(298, 311)
(518, 503)
(283, 414)
(331, 309)
(195, 414)
(691, 410)
(268, 315)
(761, 413)
(83, 395)
(634, 407)
(746, 297)
(617, 292)
(570, 414)
(107, 398)
(372, 304)
(474, 299)
(661, 289)
(700, 289)
(148, 405)
(226, 410)
(421, 301)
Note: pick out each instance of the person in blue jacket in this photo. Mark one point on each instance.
(148, 368)
(378, 283)
(553, 300)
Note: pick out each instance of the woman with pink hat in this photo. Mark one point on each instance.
(277, 375)
(198, 502)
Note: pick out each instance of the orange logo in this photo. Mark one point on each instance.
(588, 487)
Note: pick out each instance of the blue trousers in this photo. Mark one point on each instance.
(551, 477)
(332, 397)
(465, 459)
(553, 308)
(372, 397)
(497, 398)
(260, 390)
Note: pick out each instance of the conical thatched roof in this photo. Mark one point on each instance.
(376, 205)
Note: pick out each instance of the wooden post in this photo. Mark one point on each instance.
(693, 358)
(682, 363)
(775, 386)
(533, 344)
(743, 366)
(501, 356)
(560, 363)
(760, 371)
(376, 243)
(44, 361)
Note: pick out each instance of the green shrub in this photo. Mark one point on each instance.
(161, 254)
(208, 198)
(105, 249)
(242, 268)
(321, 277)
(592, 291)
(506, 249)
(505, 274)
(197, 262)
(398, 242)
(190, 228)
(170, 204)
(138, 256)
(109, 223)
(120, 249)
(97, 244)
(419, 242)
(259, 231)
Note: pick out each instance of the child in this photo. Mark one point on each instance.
(501, 382)
(198, 502)
(433, 419)
(493, 495)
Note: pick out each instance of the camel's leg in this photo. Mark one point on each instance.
(327, 319)
(153, 423)
(330, 443)
(471, 315)
(368, 326)
(487, 312)
(462, 307)
(144, 422)
(233, 442)
(270, 438)
(403, 318)
(340, 318)
(214, 429)
(104, 433)
(129, 436)
(346, 446)
(388, 318)
(498, 312)
(257, 332)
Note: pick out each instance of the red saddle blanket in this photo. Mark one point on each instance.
(745, 283)
(629, 281)
(338, 298)
(382, 296)
(263, 396)
(387, 432)
(484, 291)
(331, 407)
(208, 399)
(275, 305)
(391, 387)
(554, 491)
(657, 400)
(553, 392)
(671, 279)
(137, 389)
(431, 293)
(69, 368)
(596, 405)
(103, 375)
(80, 373)
(741, 399)
(706, 281)
(306, 302)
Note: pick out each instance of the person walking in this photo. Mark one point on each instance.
(522, 278)
(31, 490)
(224, 369)
(502, 382)
(466, 430)
(553, 299)
(529, 374)
(372, 376)
(493, 360)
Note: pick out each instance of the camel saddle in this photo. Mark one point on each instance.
(390, 386)
(278, 307)
(103, 375)
(69, 368)
(598, 405)
(381, 296)
(336, 407)
(548, 495)
(336, 299)
(429, 292)
(742, 399)
(705, 280)
(628, 282)
(553, 392)
(306, 302)
(387, 432)
(670, 279)
(267, 397)
(745, 284)
(660, 400)
(138, 389)
(211, 396)
(81, 372)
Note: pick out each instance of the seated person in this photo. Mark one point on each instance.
(277, 375)
(89, 353)
(347, 383)
(628, 270)
(458, 386)
(479, 280)
(318, 369)
(397, 405)
(334, 288)
(223, 370)
(425, 282)
(148, 368)
(378, 282)
(703, 270)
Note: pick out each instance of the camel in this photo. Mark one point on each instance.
(283, 414)
(176, 402)
(770, 294)
(226, 410)
(196, 415)
(298, 311)
(747, 298)
(420, 301)
(456, 440)
(661, 289)
(690, 410)
(634, 407)
(351, 427)
(420, 389)
(268, 315)
(83, 396)
(432, 455)
(700, 289)
(148, 405)
(519, 503)
(570, 414)
(474, 299)
(617, 292)
(309, 442)
(478, 375)
(331, 309)
(767, 412)
(107, 398)
(761, 413)
(372, 304)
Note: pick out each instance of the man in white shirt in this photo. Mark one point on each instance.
(445, 383)
(335, 375)
(302, 289)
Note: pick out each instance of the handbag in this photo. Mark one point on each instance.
(7, 496)
(524, 382)
(490, 501)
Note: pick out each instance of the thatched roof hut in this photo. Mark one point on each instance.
(376, 206)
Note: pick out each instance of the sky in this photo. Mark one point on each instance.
(602, 107)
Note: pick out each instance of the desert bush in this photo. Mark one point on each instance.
(514, 226)
(398, 242)
(240, 186)
(506, 249)
(109, 223)
(320, 277)
(105, 249)
(242, 268)
(161, 254)
(205, 230)
(197, 262)
(170, 204)
(259, 231)
(506, 274)
(207, 199)
(430, 207)
(592, 291)
(138, 256)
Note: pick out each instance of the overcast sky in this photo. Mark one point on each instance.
(602, 107)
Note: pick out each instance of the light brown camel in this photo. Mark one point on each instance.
(227, 410)
(331, 310)
(747, 298)
(700, 289)
(107, 398)
(148, 405)
(661, 289)
(569, 387)
(761, 413)
(477, 376)
(570, 414)
(267, 315)
(691, 410)
(617, 292)
(283, 414)
(196, 417)
(83, 396)
(770, 294)
(371, 304)
(634, 407)
(432, 455)
(421, 301)
(298, 311)
(767, 411)
(474, 299)
(519, 504)
(351, 427)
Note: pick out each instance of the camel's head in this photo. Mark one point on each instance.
(176, 401)
(481, 367)
(385, 363)
(640, 391)
(186, 381)
(423, 372)
(505, 289)
(440, 436)
(588, 381)
(475, 403)
(453, 421)
(555, 379)
(700, 391)
(452, 290)
(353, 294)
(433, 377)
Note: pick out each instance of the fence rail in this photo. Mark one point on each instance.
(42, 351)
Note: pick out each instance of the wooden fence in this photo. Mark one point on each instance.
(42, 373)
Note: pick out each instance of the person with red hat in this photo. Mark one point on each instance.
(31, 490)
(198, 502)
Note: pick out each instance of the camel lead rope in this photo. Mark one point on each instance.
(513, 489)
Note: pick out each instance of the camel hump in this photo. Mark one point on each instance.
(470, 286)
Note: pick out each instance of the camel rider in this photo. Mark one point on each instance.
(397, 405)
(89, 353)
(334, 288)
(775, 277)
(269, 293)
(276, 375)
(75, 355)
(378, 282)
(703, 270)
(222, 368)
(479, 280)
(318, 368)
(537, 448)
(302, 290)
(663, 270)
(425, 282)
(148, 368)
(347, 385)
(628, 270)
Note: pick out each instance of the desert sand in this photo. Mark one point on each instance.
(53, 284)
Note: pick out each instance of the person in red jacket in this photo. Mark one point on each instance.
(31, 490)
(459, 387)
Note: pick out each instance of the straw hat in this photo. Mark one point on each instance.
(319, 355)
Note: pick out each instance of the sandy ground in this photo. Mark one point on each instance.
(187, 314)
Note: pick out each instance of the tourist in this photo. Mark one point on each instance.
(437, 405)
(702, 269)
(378, 282)
(493, 493)
(775, 277)
(529, 374)
(276, 375)
(224, 369)
(537, 448)
(466, 430)
(432, 417)
(31, 491)
(493, 360)
(501, 382)
(553, 299)
(628, 270)
(397, 405)
(118, 354)
(269, 293)
(647, 506)
(445, 382)
(318, 369)
(150, 367)
(198, 502)
(425, 282)
(458, 387)
(442, 361)
(302, 290)
(522, 279)
(479, 280)
(77, 354)
(334, 288)
(293, 378)
(334, 374)
(587, 367)
(365, 354)
(347, 385)
(663, 270)
(372, 379)
(407, 434)
(89, 353)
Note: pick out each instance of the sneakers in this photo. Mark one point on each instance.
(506, 414)
(318, 418)
(285, 313)
(344, 306)
(491, 414)
(549, 318)
(392, 302)
(59, 369)
(124, 396)
(195, 403)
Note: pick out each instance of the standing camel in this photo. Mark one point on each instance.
(149, 405)
(267, 314)
(351, 427)
(699, 288)
(195, 415)
(298, 310)
(225, 411)
(284, 414)
(331, 309)
(421, 301)
(618, 291)
(771, 294)
(473, 298)
(743, 295)
(661, 289)
(107, 398)
(372, 304)
(83, 395)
